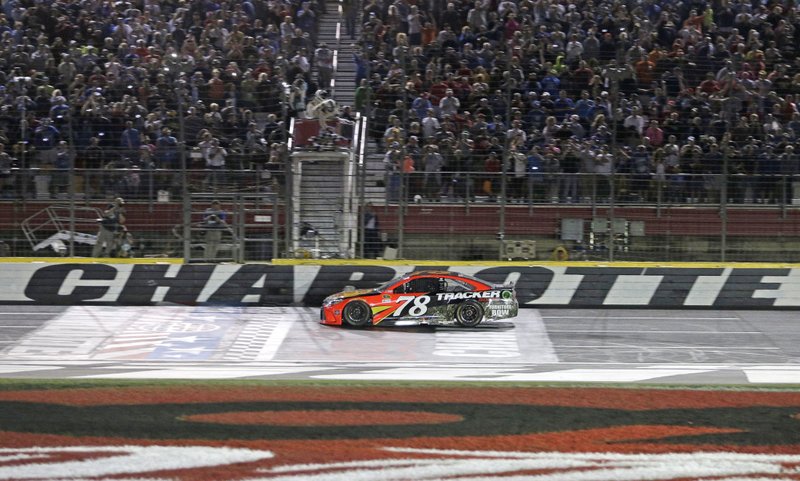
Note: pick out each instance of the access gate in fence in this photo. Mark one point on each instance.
(229, 227)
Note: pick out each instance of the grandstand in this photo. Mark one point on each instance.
(615, 131)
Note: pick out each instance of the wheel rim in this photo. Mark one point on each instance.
(357, 313)
(470, 314)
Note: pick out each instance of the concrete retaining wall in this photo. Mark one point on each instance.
(553, 284)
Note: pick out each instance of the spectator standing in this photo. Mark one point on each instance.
(214, 224)
(552, 169)
(518, 174)
(372, 239)
(634, 122)
(393, 163)
(167, 150)
(430, 126)
(45, 140)
(570, 166)
(6, 178)
(61, 170)
(214, 156)
(790, 168)
(654, 134)
(131, 140)
(323, 57)
(433, 162)
(297, 96)
(363, 97)
(350, 11)
(642, 168)
(449, 105)
(166, 157)
(421, 104)
(111, 224)
(415, 21)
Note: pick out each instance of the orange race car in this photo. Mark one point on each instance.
(424, 297)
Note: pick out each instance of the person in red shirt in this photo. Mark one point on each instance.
(709, 85)
(438, 91)
(489, 186)
(644, 68)
(216, 86)
(654, 134)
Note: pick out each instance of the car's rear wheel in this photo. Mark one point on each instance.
(469, 313)
(357, 314)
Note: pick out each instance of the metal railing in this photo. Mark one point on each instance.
(441, 215)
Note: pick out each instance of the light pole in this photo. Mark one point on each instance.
(187, 206)
(614, 74)
(506, 162)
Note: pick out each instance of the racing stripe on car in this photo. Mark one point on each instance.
(378, 310)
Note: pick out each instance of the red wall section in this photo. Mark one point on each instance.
(546, 220)
(485, 219)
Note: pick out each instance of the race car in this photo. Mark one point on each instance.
(438, 298)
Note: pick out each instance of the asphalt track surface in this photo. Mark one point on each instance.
(545, 345)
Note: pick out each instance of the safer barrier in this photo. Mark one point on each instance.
(734, 286)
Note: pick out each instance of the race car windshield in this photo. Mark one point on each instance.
(386, 285)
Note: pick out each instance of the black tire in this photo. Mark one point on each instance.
(357, 314)
(469, 313)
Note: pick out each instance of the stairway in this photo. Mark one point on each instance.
(345, 75)
(375, 178)
(320, 200)
(345, 87)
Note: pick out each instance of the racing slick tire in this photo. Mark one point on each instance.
(469, 313)
(357, 314)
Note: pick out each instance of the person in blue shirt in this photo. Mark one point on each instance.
(131, 139)
(551, 83)
(45, 139)
(166, 150)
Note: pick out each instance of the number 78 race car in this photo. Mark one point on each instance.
(423, 297)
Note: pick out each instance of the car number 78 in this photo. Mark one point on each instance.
(419, 308)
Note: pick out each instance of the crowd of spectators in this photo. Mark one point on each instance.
(126, 86)
(671, 94)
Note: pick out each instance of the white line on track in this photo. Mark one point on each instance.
(29, 314)
(644, 331)
(636, 318)
(653, 348)
(271, 346)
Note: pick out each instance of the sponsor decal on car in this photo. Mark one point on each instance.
(500, 310)
(454, 296)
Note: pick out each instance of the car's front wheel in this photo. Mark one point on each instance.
(357, 314)
(469, 313)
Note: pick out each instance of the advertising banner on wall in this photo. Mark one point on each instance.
(283, 285)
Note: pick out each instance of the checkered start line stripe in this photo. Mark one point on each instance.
(358, 371)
